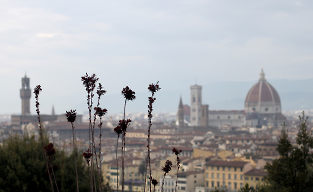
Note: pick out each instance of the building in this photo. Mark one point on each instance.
(188, 181)
(26, 117)
(262, 107)
(198, 112)
(226, 175)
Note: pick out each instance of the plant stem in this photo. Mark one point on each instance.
(75, 159)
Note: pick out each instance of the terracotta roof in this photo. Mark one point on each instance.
(262, 91)
(256, 172)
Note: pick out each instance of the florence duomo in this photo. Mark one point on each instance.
(262, 107)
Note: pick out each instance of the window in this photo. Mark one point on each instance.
(218, 175)
(266, 109)
(235, 176)
(241, 177)
(193, 99)
(228, 117)
(229, 176)
(212, 175)
(218, 168)
(223, 168)
(212, 184)
(257, 179)
(223, 175)
(235, 169)
(229, 184)
(235, 185)
(218, 184)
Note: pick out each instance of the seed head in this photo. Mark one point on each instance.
(71, 115)
(154, 87)
(168, 166)
(50, 151)
(128, 93)
(100, 112)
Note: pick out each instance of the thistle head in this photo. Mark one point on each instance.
(89, 82)
(154, 182)
(71, 115)
(49, 149)
(128, 93)
(168, 166)
(176, 151)
(100, 90)
(87, 155)
(154, 87)
(100, 112)
(37, 90)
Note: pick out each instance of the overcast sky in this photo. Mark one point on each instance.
(136, 42)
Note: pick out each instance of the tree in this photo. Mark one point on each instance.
(22, 167)
(293, 170)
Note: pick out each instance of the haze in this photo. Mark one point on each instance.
(138, 42)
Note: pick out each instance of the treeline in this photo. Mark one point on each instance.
(23, 167)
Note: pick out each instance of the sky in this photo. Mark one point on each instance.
(137, 42)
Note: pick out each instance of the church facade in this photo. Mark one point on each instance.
(262, 107)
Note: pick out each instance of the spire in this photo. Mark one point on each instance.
(262, 75)
(180, 102)
(53, 111)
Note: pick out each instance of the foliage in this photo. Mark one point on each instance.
(22, 166)
(293, 171)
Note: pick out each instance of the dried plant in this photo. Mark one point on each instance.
(129, 95)
(166, 169)
(152, 88)
(177, 152)
(90, 83)
(71, 117)
(49, 150)
(100, 113)
(154, 183)
(118, 131)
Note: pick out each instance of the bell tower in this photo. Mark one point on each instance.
(25, 94)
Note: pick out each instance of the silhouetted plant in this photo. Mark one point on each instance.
(100, 113)
(129, 95)
(152, 88)
(177, 152)
(71, 117)
(154, 183)
(90, 83)
(49, 150)
(118, 131)
(166, 169)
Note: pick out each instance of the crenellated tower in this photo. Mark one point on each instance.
(25, 94)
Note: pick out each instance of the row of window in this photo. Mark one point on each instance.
(223, 184)
(224, 168)
(217, 176)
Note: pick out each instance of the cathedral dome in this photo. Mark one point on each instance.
(262, 98)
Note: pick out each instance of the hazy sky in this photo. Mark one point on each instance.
(136, 42)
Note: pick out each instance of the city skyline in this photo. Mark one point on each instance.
(137, 43)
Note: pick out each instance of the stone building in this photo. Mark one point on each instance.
(26, 117)
(198, 111)
(262, 107)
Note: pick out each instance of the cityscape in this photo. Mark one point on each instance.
(221, 149)
(156, 96)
